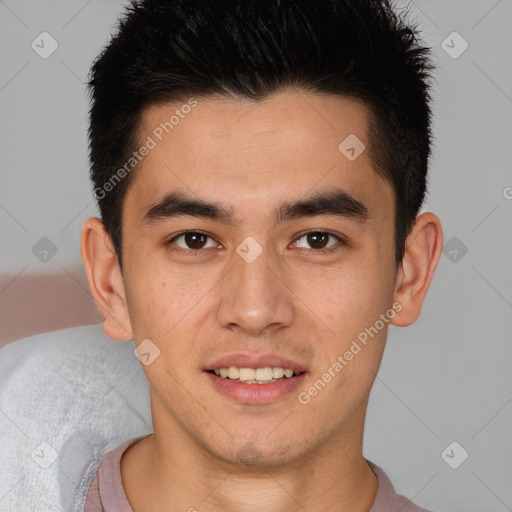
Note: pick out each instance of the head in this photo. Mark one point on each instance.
(259, 169)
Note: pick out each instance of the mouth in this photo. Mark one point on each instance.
(263, 375)
(255, 380)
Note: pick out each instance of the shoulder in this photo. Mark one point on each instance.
(65, 397)
(106, 490)
(387, 499)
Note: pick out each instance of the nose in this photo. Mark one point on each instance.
(255, 297)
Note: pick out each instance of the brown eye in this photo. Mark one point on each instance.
(192, 240)
(195, 240)
(318, 240)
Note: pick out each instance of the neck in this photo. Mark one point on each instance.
(173, 471)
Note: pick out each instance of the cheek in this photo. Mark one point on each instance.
(164, 297)
(348, 297)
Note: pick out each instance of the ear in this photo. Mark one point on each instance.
(105, 279)
(422, 252)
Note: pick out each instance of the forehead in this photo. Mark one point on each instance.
(250, 153)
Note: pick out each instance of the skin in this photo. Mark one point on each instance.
(208, 451)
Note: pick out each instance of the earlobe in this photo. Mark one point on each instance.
(105, 279)
(422, 253)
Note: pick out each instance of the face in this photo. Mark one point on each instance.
(275, 250)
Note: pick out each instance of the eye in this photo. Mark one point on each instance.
(319, 241)
(192, 241)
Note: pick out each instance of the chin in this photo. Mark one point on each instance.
(253, 454)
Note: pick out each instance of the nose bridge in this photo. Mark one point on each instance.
(256, 278)
(253, 297)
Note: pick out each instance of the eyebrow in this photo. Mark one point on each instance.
(335, 203)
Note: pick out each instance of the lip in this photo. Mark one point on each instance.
(255, 393)
(252, 361)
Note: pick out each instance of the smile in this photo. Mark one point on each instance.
(265, 375)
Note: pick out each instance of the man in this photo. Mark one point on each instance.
(271, 160)
(259, 168)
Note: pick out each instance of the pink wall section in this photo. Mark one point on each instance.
(35, 303)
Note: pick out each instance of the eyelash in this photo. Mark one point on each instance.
(195, 252)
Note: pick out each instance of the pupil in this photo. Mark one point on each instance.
(195, 240)
(317, 240)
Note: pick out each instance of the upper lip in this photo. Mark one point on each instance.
(254, 361)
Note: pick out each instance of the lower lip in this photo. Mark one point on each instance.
(256, 393)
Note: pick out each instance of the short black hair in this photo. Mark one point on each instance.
(172, 50)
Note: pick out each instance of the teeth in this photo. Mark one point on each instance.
(246, 374)
(277, 372)
(233, 372)
(264, 373)
(254, 375)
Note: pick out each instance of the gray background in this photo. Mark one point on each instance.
(447, 378)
